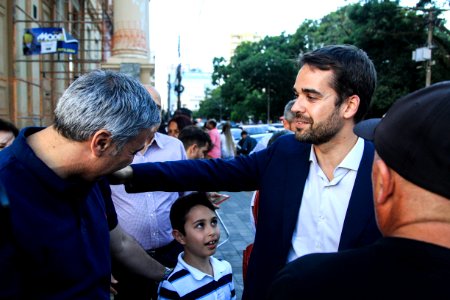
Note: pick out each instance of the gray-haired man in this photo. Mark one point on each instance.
(61, 214)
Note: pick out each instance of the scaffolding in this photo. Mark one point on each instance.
(35, 82)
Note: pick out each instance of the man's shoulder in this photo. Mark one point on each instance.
(164, 140)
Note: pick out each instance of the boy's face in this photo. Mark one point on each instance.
(202, 233)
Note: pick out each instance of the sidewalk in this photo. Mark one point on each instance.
(235, 214)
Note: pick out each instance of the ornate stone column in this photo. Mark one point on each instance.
(130, 43)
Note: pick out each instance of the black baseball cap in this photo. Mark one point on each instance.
(413, 138)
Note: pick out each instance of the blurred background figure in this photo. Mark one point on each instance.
(245, 144)
(8, 132)
(196, 141)
(214, 134)
(176, 124)
(288, 124)
(227, 145)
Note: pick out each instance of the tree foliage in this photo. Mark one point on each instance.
(264, 72)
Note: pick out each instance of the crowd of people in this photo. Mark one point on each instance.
(112, 205)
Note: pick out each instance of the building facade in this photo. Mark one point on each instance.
(33, 75)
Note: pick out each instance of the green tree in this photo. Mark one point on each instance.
(258, 75)
(265, 71)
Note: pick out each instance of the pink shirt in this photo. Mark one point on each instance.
(215, 139)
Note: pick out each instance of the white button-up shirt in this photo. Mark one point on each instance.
(324, 205)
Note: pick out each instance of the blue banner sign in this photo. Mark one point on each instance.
(48, 40)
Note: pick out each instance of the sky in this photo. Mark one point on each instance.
(204, 27)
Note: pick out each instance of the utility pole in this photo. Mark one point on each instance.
(424, 53)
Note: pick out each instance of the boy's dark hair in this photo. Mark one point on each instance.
(353, 73)
(183, 205)
(193, 134)
(8, 126)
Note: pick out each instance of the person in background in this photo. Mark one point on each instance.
(8, 132)
(411, 175)
(196, 141)
(145, 217)
(198, 274)
(288, 124)
(64, 229)
(246, 144)
(315, 186)
(176, 124)
(228, 147)
(214, 134)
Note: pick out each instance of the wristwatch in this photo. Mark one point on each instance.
(167, 272)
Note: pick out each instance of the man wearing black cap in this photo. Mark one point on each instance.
(411, 186)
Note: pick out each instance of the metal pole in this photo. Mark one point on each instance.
(429, 45)
(169, 90)
(268, 106)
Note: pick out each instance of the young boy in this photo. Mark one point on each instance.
(198, 274)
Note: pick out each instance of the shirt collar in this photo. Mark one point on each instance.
(217, 266)
(351, 160)
(156, 142)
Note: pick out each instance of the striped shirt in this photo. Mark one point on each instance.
(187, 282)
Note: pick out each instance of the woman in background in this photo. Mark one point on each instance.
(176, 124)
(227, 142)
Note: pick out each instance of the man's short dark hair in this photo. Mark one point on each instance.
(193, 134)
(8, 126)
(212, 122)
(183, 205)
(354, 73)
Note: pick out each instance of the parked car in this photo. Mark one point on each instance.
(274, 127)
(257, 131)
(236, 133)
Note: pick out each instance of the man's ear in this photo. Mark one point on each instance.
(382, 181)
(178, 236)
(351, 106)
(191, 149)
(100, 142)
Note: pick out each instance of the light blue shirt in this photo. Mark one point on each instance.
(145, 216)
(324, 205)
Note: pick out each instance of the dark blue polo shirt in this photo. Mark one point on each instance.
(59, 244)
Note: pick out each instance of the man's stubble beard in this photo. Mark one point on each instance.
(321, 132)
